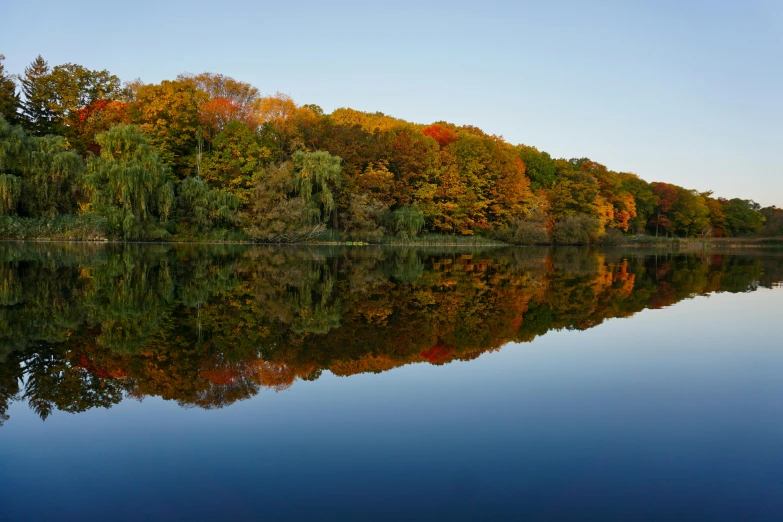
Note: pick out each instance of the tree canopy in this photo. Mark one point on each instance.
(263, 167)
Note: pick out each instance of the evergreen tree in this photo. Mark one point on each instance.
(36, 113)
(9, 98)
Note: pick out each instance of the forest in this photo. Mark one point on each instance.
(204, 156)
(85, 325)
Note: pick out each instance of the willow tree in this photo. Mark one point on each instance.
(203, 206)
(51, 175)
(407, 222)
(11, 146)
(10, 190)
(130, 184)
(315, 175)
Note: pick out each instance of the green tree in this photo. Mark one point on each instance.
(51, 175)
(40, 176)
(130, 184)
(36, 112)
(539, 167)
(9, 98)
(743, 216)
(315, 176)
(205, 207)
(407, 222)
(690, 214)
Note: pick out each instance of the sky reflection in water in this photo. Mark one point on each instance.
(673, 412)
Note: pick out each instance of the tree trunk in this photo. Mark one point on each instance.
(657, 224)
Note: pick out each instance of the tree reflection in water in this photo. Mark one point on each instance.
(83, 326)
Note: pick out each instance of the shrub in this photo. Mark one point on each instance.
(579, 229)
(529, 232)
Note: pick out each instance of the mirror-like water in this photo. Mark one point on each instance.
(227, 382)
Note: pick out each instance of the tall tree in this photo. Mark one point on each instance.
(73, 87)
(168, 113)
(36, 113)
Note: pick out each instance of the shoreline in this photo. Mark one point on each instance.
(670, 243)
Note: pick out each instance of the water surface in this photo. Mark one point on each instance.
(205, 383)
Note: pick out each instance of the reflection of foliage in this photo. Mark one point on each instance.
(130, 294)
(81, 326)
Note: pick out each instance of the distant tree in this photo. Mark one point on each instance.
(667, 198)
(773, 221)
(644, 197)
(743, 216)
(440, 133)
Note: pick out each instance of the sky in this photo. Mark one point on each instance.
(684, 92)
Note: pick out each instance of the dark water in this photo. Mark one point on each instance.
(224, 383)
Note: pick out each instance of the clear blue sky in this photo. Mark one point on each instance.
(685, 92)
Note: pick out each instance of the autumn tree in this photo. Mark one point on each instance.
(168, 113)
(93, 119)
(228, 100)
(72, 87)
(645, 200)
(236, 156)
(668, 197)
(773, 221)
(716, 215)
(440, 133)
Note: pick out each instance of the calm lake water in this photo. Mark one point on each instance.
(148, 382)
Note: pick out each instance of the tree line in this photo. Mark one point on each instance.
(206, 155)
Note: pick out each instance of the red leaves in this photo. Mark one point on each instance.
(441, 134)
(218, 112)
(438, 353)
(667, 195)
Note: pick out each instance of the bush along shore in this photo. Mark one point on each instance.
(207, 158)
(90, 227)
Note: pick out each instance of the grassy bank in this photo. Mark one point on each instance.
(441, 240)
(678, 243)
(59, 228)
(90, 227)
